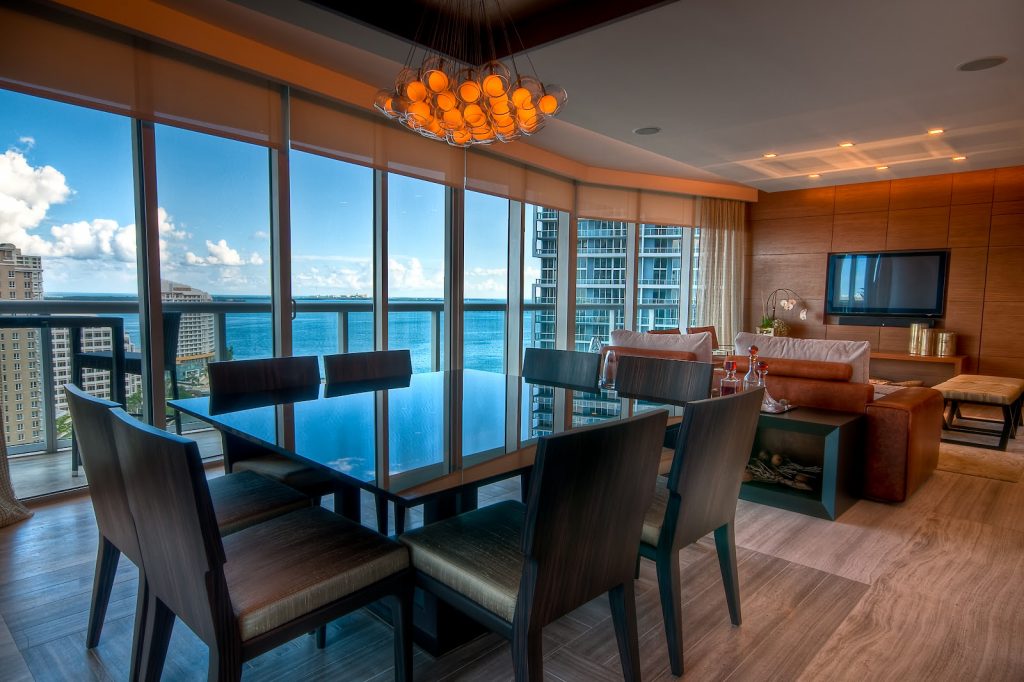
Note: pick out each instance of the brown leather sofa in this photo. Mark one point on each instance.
(903, 428)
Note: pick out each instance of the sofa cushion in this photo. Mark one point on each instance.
(857, 354)
(803, 369)
(698, 344)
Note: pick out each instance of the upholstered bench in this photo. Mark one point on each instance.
(1006, 393)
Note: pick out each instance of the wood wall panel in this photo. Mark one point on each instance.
(973, 188)
(791, 235)
(1002, 329)
(969, 224)
(1008, 230)
(894, 339)
(955, 210)
(925, 192)
(865, 196)
(1005, 277)
(804, 273)
(965, 318)
(859, 231)
(1009, 184)
(853, 333)
(967, 274)
(795, 204)
(918, 228)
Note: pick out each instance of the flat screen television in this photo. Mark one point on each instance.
(898, 283)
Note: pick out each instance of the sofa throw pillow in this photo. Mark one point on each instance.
(698, 344)
(857, 354)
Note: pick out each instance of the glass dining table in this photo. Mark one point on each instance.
(428, 439)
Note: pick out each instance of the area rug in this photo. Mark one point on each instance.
(994, 464)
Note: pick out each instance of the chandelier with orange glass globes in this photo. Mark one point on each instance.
(446, 98)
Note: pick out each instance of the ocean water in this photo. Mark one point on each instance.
(249, 336)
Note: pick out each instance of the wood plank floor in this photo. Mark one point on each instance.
(926, 590)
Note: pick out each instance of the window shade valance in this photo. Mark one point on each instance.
(67, 59)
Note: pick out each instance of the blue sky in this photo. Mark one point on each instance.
(66, 194)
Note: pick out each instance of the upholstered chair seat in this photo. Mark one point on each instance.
(287, 471)
(293, 564)
(245, 498)
(477, 554)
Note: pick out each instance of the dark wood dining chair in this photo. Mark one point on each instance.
(104, 360)
(563, 368)
(256, 589)
(251, 378)
(710, 329)
(239, 501)
(515, 568)
(343, 368)
(672, 382)
(699, 496)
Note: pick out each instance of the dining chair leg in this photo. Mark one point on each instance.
(381, 503)
(623, 605)
(156, 637)
(139, 629)
(671, 608)
(401, 617)
(224, 666)
(321, 637)
(347, 502)
(400, 510)
(524, 487)
(174, 392)
(528, 656)
(107, 556)
(725, 542)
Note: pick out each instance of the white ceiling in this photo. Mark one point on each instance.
(728, 80)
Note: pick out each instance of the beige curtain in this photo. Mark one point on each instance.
(720, 276)
(11, 511)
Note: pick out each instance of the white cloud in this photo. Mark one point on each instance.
(26, 194)
(222, 254)
(27, 142)
(487, 283)
(260, 235)
(99, 238)
(354, 279)
(408, 278)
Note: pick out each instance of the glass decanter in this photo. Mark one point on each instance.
(730, 383)
(750, 380)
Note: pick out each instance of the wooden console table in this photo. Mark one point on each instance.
(930, 369)
(831, 440)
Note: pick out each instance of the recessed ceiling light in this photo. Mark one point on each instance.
(812, 176)
(959, 157)
(936, 131)
(982, 63)
(770, 155)
(881, 168)
(845, 144)
(652, 130)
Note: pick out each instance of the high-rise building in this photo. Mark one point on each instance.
(600, 294)
(196, 341)
(21, 395)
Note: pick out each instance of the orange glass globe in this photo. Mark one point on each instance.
(469, 91)
(461, 136)
(474, 115)
(437, 81)
(521, 97)
(494, 86)
(453, 119)
(416, 91)
(446, 101)
(548, 104)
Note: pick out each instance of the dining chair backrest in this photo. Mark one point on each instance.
(565, 368)
(172, 326)
(710, 329)
(354, 367)
(673, 382)
(263, 374)
(712, 449)
(91, 420)
(181, 548)
(585, 508)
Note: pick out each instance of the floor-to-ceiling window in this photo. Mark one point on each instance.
(332, 255)
(659, 261)
(540, 291)
(66, 232)
(485, 281)
(416, 238)
(214, 196)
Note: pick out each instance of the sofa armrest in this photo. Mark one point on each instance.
(902, 449)
(841, 396)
